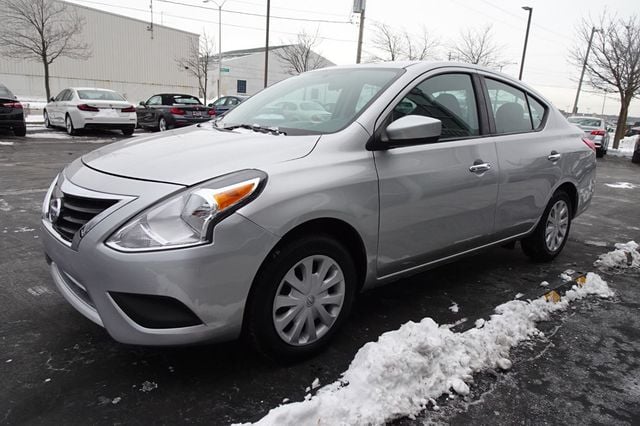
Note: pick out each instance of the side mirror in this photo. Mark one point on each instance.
(52, 99)
(143, 103)
(413, 130)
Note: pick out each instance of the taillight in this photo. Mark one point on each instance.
(85, 107)
(130, 108)
(177, 111)
(15, 105)
(212, 111)
(589, 143)
(597, 132)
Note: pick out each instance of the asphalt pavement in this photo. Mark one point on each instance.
(56, 367)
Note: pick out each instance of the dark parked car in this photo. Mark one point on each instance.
(636, 152)
(168, 110)
(11, 112)
(633, 129)
(227, 103)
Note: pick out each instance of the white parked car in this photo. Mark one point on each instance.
(79, 108)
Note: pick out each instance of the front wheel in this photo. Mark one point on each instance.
(552, 231)
(302, 295)
(20, 131)
(47, 123)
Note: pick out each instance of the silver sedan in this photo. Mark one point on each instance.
(268, 225)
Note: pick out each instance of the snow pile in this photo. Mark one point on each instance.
(625, 256)
(625, 147)
(404, 370)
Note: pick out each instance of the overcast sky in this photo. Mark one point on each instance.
(551, 38)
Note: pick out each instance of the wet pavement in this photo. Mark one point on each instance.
(56, 367)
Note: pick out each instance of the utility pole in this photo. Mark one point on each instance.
(358, 7)
(150, 26)
(266, 47)
(526, 40)
(584, 66)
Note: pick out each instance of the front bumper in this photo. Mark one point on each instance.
(212, 281)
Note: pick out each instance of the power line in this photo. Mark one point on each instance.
(289, 8)
(289, 18)
(213, 22)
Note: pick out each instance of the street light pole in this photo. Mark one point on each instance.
(584, 66)
(526, 40)
(219, 42)
(359, 7)
(266, 47)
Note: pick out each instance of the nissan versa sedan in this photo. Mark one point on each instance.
(267, 226)
(90, 108)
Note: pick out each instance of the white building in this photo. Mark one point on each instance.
(126, 57)
(243, 71)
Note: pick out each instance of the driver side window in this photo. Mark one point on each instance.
(449, 98)
(154, 100)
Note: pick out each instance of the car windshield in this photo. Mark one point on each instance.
(5, 93)
(100, 95)
(587, 122)
(317, 102)
(185, 100)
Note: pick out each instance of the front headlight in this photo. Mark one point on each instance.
(187, 219)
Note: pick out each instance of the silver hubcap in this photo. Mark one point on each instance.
(557, 225)
(308, 300)
(162, 125)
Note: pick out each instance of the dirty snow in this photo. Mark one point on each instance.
(625, 147)
(625, 256)
(454, 308)
(544, 284)
(621, 185)
(406, 369)
(148, 386)
(315, 384)
(6, 143)
(4, 206)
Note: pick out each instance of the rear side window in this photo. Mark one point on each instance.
(513, 111)
(448, 97)
(5, 93)
(537, 112)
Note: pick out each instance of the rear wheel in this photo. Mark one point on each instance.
(69, 126)
(162, 124)
(636, 157)
(302, 295)
(128, 131)
(20, 131)
(551, 234)
(599, 153)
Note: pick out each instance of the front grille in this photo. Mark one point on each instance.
(76, 212)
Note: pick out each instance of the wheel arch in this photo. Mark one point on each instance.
(572, 191)
(338, 229)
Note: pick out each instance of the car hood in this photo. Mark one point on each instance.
(195, 154)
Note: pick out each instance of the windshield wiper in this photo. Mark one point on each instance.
(257, 128)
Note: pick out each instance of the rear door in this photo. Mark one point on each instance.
(437, 199)
(529, 159)
(53, 109)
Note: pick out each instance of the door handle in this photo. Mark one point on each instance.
(554, 156)
(479, 167)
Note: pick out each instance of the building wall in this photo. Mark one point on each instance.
(251, 69)
(124, 58)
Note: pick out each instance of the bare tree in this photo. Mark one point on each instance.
(478, 47)
(614, 61)
(198, 60)
(300, 57)
(41, 30)
(392, 45)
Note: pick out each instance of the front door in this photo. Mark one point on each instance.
(437, 199)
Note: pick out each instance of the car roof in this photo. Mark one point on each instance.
(91, 88)
(586, 117)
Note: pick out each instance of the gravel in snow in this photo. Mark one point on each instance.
(406, 369)
(625, 256)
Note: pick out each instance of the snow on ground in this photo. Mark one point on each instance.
(406, 369)
(625, 148)
(625, 256)
(621, 185)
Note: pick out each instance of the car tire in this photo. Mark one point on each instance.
(162, 124)
(551, 233)
(313, 329)
(636, 157)
(68, 123)
(20, 131)
(599, 153)
(47, 123)
(128, 131)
